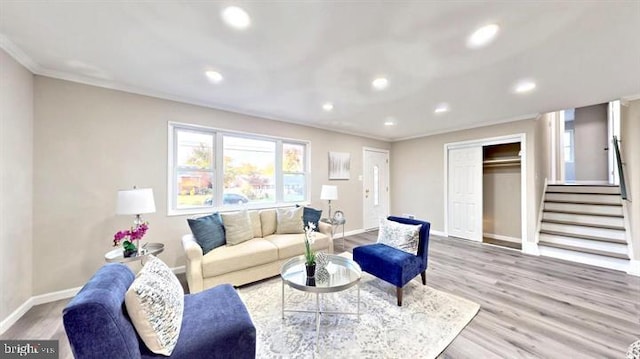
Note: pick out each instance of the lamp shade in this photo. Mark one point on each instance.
(329, 192)
(135, 201)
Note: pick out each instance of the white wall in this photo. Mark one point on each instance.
(90, 142)
(16, 189)
(417, 172)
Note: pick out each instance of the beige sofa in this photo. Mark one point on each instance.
(250, 261)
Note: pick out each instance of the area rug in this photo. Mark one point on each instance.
(422, 328)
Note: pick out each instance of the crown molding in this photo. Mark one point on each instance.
(531, 116)
(19, 55)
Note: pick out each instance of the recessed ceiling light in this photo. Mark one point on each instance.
(380, 83)
(327, 106)
(482, 36)
(236, 17)
(214, 76)
(443, 107)
(525, 86)
(390, 121)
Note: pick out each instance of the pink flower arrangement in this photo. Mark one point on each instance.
(127, 237)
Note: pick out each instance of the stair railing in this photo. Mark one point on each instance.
(623, 186)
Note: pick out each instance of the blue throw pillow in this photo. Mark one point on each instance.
(208, 231)
(311, 215)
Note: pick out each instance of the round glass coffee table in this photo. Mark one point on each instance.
(342, 273)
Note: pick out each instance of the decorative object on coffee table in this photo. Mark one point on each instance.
(309, 255)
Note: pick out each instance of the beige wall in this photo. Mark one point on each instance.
(501, 201)
(590, 127)
(630, 148)
(90, 142)
(16, 189)
(417, 172)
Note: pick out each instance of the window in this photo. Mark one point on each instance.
(211, 168)
(568, 146)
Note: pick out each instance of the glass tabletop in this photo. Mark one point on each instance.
(148, 248)
(342, 274)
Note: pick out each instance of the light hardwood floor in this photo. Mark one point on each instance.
(531, 307)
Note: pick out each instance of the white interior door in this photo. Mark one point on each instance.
(465, 193)
(375, 186)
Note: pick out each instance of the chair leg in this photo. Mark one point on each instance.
(424, 277)
(399, 295)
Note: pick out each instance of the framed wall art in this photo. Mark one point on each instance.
(339, 165)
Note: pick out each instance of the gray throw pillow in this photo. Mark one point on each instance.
(208, 231)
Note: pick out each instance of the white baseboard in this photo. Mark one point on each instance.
(15, 315)
(530, 248)
(634, 268)
(48, 298)
(500, 237)
(438, 233)
(349, 233)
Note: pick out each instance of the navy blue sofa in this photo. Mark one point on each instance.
(215, 322)
(393, 265)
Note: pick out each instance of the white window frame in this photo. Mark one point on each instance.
(218, 170)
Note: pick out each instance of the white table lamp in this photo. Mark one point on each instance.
(329, 193)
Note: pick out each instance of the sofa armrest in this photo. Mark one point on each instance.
(193, 268)
(327, 229)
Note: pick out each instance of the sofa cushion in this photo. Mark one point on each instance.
(268, 220)
(247, 254)
(291, 245)
(155, 303)
(401, 236)
(208, 231)
(256, 225)
(237, 227)
(289, 220)
(311, 215)
(216, 324)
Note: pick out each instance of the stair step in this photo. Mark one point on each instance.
(617, 250)
(583, 198)
(584, 220)
(602, 189)
(599, 210)
(594, 233)
(585, 258)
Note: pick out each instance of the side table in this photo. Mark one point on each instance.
(335, 224)
(148, 248)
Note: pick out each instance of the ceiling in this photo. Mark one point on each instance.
(295, 56)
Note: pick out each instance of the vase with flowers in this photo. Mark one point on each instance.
(309, 254)
(127, 237)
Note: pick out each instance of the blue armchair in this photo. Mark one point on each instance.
(215, 322)
(393, 265)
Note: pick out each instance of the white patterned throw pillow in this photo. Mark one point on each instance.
(155, 303)
(398, 235)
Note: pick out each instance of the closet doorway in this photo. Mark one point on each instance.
(501, 193)
(500, 216)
